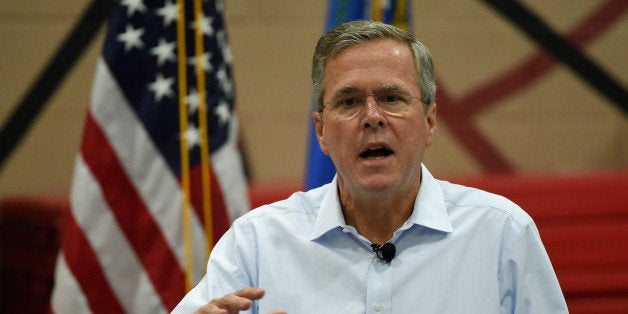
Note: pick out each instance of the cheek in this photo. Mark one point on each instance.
(330, 138)
(416, 137)
(337, 139)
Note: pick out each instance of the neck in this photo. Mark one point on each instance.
(377, 216)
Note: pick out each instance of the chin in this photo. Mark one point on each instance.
(378, 184)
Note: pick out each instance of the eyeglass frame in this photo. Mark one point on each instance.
(377, 96)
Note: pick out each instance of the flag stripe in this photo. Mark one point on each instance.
(132, 216)
(104, 236)
(143, 164)
(219, 217)
(227, 167)
(88, 270)
(71, 295)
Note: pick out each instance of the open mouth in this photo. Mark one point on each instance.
(376, 153)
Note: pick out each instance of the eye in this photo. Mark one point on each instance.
(348, 100)
(391, 98)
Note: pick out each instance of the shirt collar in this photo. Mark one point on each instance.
(429, 208)
(330, 214)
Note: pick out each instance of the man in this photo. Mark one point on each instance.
(384, 236)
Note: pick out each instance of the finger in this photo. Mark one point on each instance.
(210, 309)
(232, 303)
(240, 300)
(251, 293)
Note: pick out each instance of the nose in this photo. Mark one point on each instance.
(373, 114)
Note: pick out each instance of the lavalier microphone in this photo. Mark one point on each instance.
(385, 252)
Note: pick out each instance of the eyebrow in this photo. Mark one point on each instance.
(391, 88)
(385, 88)
(347, 90)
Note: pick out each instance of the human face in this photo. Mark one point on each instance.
(375, 151)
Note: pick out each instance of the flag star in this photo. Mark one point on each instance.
(222, 42)
(193, 100)
(221, 74)
(220, 6)
(227, 87)
(131, 38)
(162, 87)
(226, 54)
(224, 80)
(205, 61)
(220, 37)
(134, 5)
(192, 136)
(170, 12)
(222, 112)
(205, 24)
(164, 51)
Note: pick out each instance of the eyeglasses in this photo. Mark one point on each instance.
(348, 104)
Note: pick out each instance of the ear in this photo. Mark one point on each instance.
(430, 118)
(317, 117)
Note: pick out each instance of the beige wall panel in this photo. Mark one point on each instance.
(610, 51)
(559, 124)
(32, 31)
(32, 11)
(45, 160)
(447, 158)
(562, 15)
(25, 52)
(272, 48)
(469, 43)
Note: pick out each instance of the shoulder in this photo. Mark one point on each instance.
(465, 198)
(297, 207)
(493, 218)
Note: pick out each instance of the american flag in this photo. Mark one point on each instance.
(158, 177)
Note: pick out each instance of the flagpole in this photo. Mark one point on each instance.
(400, 16)
(202, 117)
(376, 12)
(185, 157)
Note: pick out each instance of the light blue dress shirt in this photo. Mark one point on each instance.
(462, 250)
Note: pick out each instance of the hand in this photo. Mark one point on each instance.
(234, 302)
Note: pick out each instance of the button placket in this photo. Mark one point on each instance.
(379, 287)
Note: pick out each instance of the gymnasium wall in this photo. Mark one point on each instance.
(504, 104)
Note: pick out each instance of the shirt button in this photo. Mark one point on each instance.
(378, 307)
(345, 230)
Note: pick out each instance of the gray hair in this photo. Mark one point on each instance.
(360, 32)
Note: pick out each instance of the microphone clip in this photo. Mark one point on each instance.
(385, 252)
